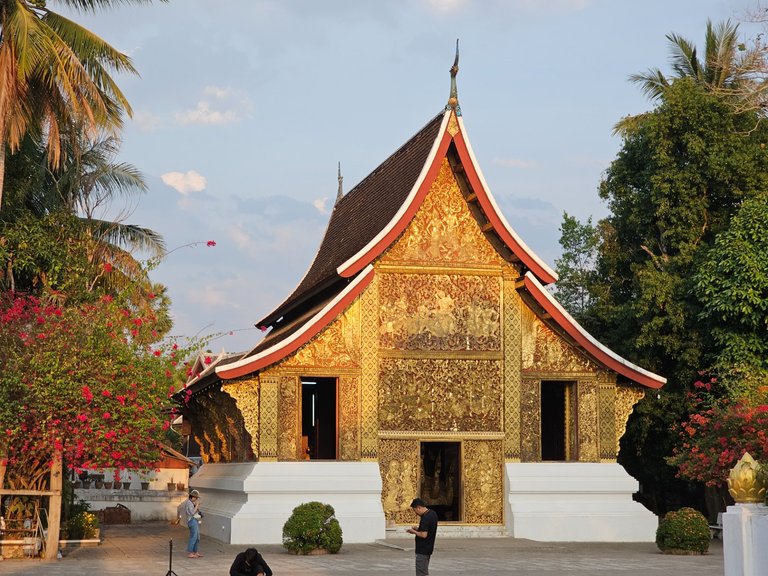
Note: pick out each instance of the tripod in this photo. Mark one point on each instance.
(170, 559)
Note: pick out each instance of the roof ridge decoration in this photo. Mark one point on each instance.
(340, 193)
(453, 98)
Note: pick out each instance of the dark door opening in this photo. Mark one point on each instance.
(555, 429)
(441, 479)
(318, 418)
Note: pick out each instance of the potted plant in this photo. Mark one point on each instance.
(684, 531)
(311, 529)
(171, 485)
(108, 484)
(180, 486)
(127, 482)
(144, 479)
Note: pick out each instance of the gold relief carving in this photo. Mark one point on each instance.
(512, 353)
(439, 394)
(288, 419)
(369, 385)
(349, 422)
(453, 125)
(443, 230)
(626, 398)
(270, 394)
(399, 465)
(219, 426)
(543, 350)
(246, 396)
(336, 346)
(530, 421)
(607, 421)
(439, 312)
(484, 482)
(587, 421)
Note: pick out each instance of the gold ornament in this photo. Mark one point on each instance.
(745, 482)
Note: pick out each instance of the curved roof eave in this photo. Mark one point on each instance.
(403, 216)
(597, 350)
(500, 225)
(312, 327)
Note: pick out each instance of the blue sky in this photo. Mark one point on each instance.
(244, 108)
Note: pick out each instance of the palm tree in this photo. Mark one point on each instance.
(728, 68)
(54, 72)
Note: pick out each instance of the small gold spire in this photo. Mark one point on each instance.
(453, 99)
(745, 482)
(340, 193)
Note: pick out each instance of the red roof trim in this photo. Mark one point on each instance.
(389, 234)
(492, 212)
(312, 327)
(603, 354)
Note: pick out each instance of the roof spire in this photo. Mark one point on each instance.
(453, 99)
(340, 193)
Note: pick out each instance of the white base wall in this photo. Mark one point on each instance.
(745, 532)
(248, 503)
(575, 502)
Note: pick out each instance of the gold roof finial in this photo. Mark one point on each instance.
(453, 99)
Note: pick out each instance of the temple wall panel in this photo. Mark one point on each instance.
(245, 392)
(587, 421)
(399, 462)
(483, 482)
(607, 416)
(270, 396)
(288, 447)
(626, 398)
(530, 421)
(433, 394)
(349, 418)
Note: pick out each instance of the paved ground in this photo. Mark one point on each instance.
(143, 550)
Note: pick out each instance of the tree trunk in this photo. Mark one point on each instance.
(2, 163)
(54, 509)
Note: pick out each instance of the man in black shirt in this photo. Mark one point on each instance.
(425, 534)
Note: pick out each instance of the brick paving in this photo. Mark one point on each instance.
(142, 549)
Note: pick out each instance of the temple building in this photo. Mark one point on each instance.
(420, 355)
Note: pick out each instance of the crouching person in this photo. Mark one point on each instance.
(250, 563)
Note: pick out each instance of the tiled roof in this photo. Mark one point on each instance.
(357, 218)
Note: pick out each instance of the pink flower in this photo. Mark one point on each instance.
(106, 393)
(106, 416)
(107, 267)
(208, 360)
(82, 417)
(87, 394)
(211, 243)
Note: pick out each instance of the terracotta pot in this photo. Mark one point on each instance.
(145, 485)
(108, 485)
(126, 485)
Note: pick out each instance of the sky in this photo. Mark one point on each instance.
(244, 109)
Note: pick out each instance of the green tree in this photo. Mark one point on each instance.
(576, 265)
(55, 73)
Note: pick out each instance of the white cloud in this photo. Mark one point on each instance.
(320, 203)
(146, 121)
(211, 296)
(446, 6)
(515, 163)
(185, 183)
(218, 106)
(239, 236)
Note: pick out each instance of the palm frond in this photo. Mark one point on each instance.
(128, 236)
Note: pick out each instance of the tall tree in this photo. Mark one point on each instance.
(576, 266)
(54, 72)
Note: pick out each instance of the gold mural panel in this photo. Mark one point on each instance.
(288, 419)
(219, 427)
(443, 230)
(512, 354)
(530, 421)
(246, 396)
(483, 482)
(587, 421)
(626, 398)
(439, 312)
(399, 462)
(607, 401)
(349, 420)
(369, 385)
(270, 395)
(440, 394)
(336, 346)
(545, 351)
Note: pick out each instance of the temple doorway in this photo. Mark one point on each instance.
(555, 420)
(441, 479)
(319, 428)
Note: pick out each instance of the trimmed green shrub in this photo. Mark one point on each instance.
(683, 531)
(82, 526)
(312, 526)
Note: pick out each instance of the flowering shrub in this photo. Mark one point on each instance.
(82, 526)
(717, 434)
(684, 530)
(86, 382)
(312, 526)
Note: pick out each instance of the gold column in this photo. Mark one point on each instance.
(369, 313)
(246, 396)
(511, 325)
(587, 421)
(349, 418)
(288, 419)
(607, 422)
(270, 391)
(530, 421)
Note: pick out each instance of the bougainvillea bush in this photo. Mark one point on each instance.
(717, 433)
(88, 382)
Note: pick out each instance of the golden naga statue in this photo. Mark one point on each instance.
(746, 483)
